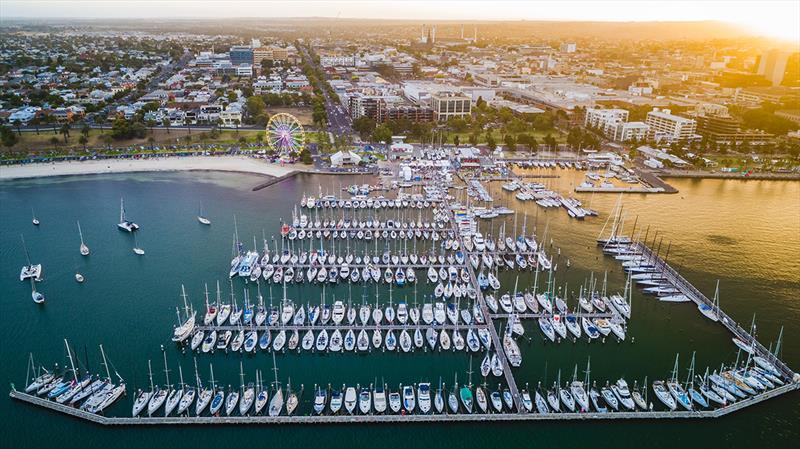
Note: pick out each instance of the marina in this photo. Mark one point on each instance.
(459, 238)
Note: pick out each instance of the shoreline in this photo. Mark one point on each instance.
(236, 164)
(734, 176)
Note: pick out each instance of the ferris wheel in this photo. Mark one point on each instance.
(285, 134)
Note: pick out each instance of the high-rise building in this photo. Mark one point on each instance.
(569, 47)
(240, 54)
(664, 125)
(780, 67)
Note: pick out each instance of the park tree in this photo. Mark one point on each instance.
(490, 142)
(8, 137)
(364, 126)
(83, 140)
(255, 107)
(511, 142)
(382, 134)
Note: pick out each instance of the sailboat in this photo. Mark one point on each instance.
(276, 404)
(201, 217)
(84, 248)
(711, 311)
(136, 249)
(38, 297)
(143, 397)
(35, 220)
(125, 224)
(30, 270)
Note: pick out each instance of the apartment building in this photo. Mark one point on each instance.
(664, 125)
(447, 105)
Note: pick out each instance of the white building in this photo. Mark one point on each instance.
(626, 131)
(342, 158)
(664, 125)
(599, 118)
(337, 60)
(569, 47)
(660, 156)
(244, 70)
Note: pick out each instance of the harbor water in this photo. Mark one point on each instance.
(746, 234)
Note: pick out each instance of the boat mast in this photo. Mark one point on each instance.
(241, 375)
(79, 232)
(105, 363)
(71, 363)
(185, 302)
(197, 376)
(150, 371)
(275, 369)
(213, 384)
(25, 248)
(166, 368)
(675, 370)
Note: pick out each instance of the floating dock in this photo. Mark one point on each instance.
(389, 418)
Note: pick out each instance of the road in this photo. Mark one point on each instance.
(339, 121)
(162, 76)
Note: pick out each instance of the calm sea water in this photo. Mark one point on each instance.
(746, 234)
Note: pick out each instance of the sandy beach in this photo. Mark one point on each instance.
(218, 163)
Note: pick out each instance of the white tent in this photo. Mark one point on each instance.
(342, 158)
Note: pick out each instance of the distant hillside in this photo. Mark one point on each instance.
(659, 31)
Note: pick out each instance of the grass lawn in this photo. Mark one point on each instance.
(498, 137)
(30, 142)
(303, 115)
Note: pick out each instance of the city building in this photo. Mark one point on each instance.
(240, 54)
(661, 156)
(627, 131)
(724, 129)
(569, 47)
(664, 125)
(779, 67)
(599, 118)
(337, 60)
(447, 105)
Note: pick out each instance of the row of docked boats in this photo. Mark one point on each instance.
(72, 387)
(646, 271)
(720, 388)
(551, 164)
(471, 339)
(366, 202)
(411, 399)
(250, 399)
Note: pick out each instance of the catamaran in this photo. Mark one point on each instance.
(125, 224)
(30, 270)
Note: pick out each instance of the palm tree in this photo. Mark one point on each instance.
(35, 122)
(83, 140)
(64, 131)
(237, 122)
(151, 140)
(100, 119)
(166, 122)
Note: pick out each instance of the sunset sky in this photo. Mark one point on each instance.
(776, 18)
